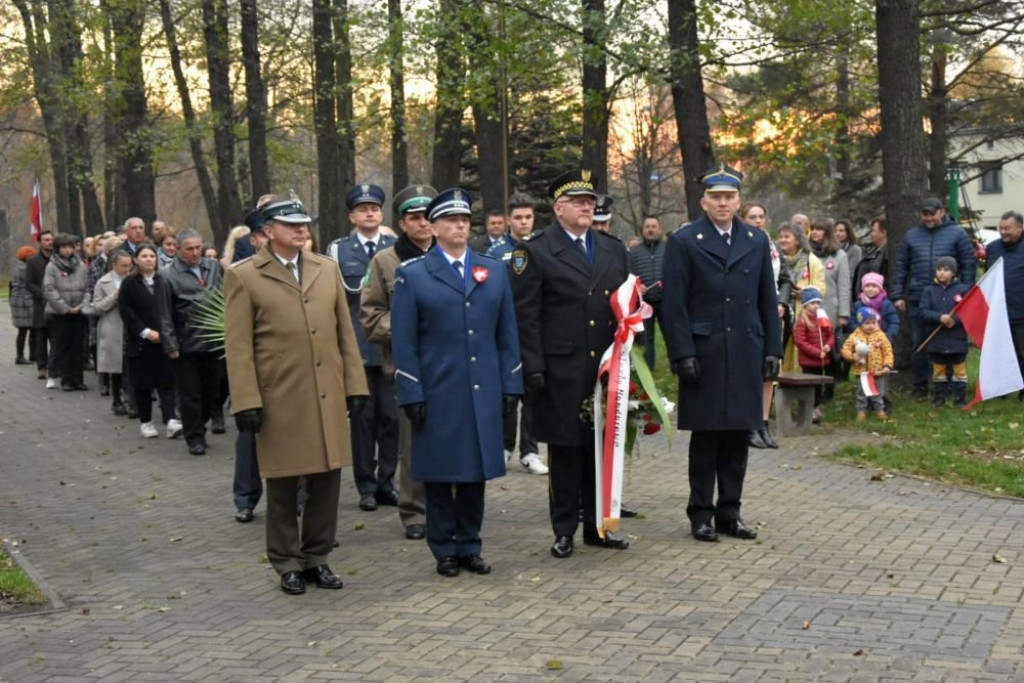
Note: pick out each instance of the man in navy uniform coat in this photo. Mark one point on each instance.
(722, 331)
(457, 366)
(375, 430)
(562, 279)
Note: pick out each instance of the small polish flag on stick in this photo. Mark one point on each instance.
(36, 211)
(983, 314)
(867, 384)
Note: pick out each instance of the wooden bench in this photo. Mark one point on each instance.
(794, 401)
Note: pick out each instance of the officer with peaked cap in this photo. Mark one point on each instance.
(562, 279)
(722, 331)
(410, 210)
(603, 213)
(294, 369)
(458, 369)
(375, 433)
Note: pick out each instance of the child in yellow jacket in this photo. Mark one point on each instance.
(869, 351)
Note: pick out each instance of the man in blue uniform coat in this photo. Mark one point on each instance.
(722, 331)
(375, 430)
(457, 366)
(562, 279)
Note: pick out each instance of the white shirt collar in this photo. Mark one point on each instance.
(451, 259)
(574, 237)
(284, 261)
(363, 239)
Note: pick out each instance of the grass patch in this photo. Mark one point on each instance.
(980, 448)
(16, 588)
(5, 285)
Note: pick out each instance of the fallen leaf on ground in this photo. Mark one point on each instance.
(553, 664)
(999, 559)
(807, 625)
(859, 653)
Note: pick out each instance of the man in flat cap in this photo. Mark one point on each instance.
(294, 369)
(923, 245)
(375, 431)
(417, 238)
(722, 331)
(562, 279)
(457, 367)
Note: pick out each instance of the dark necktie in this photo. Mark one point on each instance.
(458, 268)
(369, 249)
(582, 245)
(726, 237)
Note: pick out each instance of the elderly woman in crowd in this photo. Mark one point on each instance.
(168, 247)
(20, 300)
(806, 271)
(109, 328)
(756, 214)
(64, 285)
(143, 294)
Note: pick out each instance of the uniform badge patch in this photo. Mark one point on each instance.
(519, 261)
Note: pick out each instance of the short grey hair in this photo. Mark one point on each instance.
(133, 219)
(1014, 216)
(188, 234)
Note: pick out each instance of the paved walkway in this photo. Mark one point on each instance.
(850, 580)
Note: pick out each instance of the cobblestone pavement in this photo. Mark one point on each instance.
(850, 580)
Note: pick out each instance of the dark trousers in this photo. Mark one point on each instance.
(571, 480)
(19, 345)
(412, 505)
(41, 346)
(198, 378)
(649, 332)
(716, 456)
(375, 435)
(919, 331)
(290, 549)
(67, 353)
(527, 444)
(247, 487)
(455, 513)
(144, 404)
(1017, 334)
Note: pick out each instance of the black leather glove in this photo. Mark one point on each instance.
(689, 371)
(771, 368)
(417, 414)
(355, 405)
(535, 382)
(509, 403)
(250, 420)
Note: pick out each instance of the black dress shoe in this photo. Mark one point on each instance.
(323, 577)
(705, 532)
(767, 437)
(244, 515)
(104, 390)
(475, 564)
(387, 497)
(562, 547)
(735, 528)
(448, 566)
(292, 583)
(133, 413)
(755, 440)
(22, 361)
(415, 532)
(197, 447)
(367, 502)
(217, 424)
(610, 540)
(67, 387)
(627, 512)
(119, 409)
(81, 386)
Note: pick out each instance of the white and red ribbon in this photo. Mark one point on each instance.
(610, 423)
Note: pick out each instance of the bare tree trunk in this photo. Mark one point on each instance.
(399, 146)
(844, 183)
(256, 101)
(325, 124)
(938, 117)
(195, 135)
(595, 93)
(135, 158)
(111, 197)
(485, 93)
(451, 73)
(902, 136)
(218, 66)
(688, 100)
(346, 139)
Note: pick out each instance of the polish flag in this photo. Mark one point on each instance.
(824, 322)
(983, 314)
(867, 384)
(37, 211)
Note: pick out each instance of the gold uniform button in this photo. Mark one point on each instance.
(606, 292)
(593, 354)
(323, 395)
(592, 323)
(313, 331)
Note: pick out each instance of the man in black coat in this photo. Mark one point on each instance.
(722, 330)
(35, 270)
(562, 279)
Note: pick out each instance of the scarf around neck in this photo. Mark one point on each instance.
(65, 265)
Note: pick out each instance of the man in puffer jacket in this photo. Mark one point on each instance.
(923, 245)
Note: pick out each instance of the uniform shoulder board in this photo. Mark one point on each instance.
(488, 257)
(414, 259)
(534, 235)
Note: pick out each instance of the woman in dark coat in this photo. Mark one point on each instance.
(142, 294)
(20, 300)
